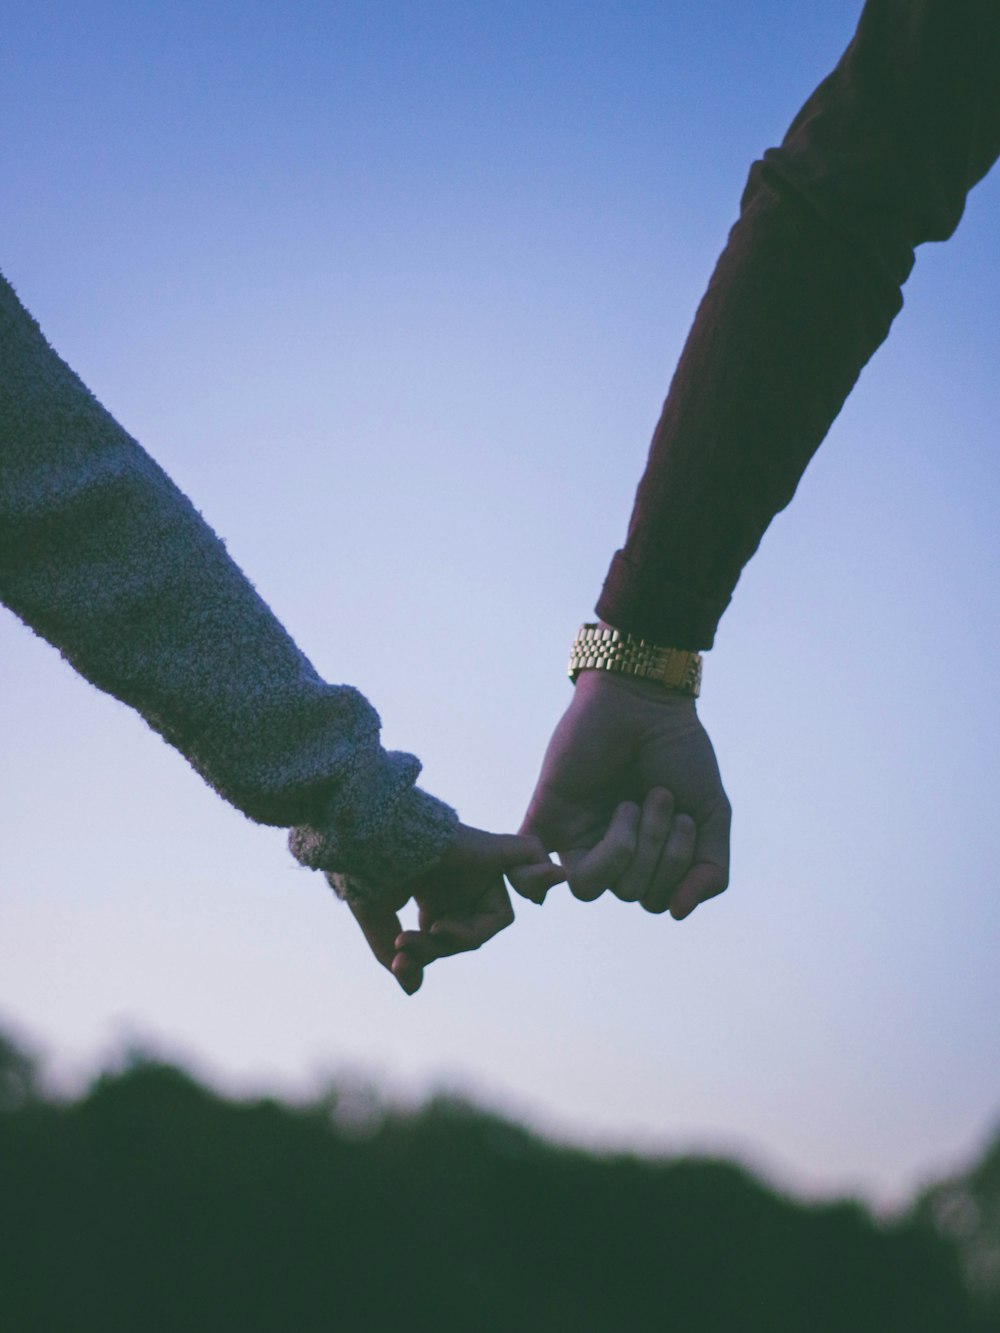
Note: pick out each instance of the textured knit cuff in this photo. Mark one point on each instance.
(420, 831)
(657, 610)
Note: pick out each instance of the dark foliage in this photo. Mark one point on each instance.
(966, 1210)
(154, 1204)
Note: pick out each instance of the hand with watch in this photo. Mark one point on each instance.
(629, 793)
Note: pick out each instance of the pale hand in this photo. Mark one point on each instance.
(463, 901)
(631, 798)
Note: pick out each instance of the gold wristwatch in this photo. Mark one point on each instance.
(599, 649)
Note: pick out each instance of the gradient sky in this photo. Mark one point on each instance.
(394, 291)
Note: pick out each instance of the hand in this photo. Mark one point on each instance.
(631, 798)
(463, 901)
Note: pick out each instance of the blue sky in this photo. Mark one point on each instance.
(394, 291)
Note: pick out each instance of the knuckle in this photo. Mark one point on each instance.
(617, 865)
(536, 847)
(584, 891)
(519, 880)
(661, 807)
(677, 855)
(656, 906)
(626, 892)
(714, 886)
(675, 861)
(658, 823)
(625, 844)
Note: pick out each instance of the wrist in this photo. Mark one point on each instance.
(590, 684)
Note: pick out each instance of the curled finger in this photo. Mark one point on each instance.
(458, 931)
(534, 881)
(675, 861)
(591, 872)
(655, 826)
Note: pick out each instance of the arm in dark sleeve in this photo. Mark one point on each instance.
(102, 555)
(879, 160)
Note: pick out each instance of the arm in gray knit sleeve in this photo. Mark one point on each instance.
(102, 555)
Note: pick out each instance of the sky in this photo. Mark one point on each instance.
(394, 292)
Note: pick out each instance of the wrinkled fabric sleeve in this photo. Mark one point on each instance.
(879, 160)
(104, 557)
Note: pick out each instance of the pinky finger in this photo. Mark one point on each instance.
(534, 881)
(591, 872)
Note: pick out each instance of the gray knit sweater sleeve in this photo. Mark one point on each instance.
(102, 555)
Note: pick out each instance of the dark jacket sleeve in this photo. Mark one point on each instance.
(879, 160)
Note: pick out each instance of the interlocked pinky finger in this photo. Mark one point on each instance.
(674, 864)
(534, 881)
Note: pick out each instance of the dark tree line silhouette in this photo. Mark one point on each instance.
(153, 1203)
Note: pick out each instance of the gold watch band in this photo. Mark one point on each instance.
(599, 649)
